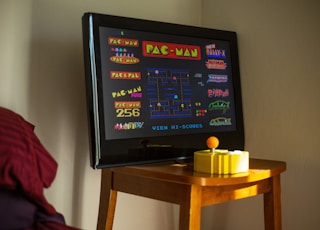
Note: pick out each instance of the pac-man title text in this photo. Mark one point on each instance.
(170, 50)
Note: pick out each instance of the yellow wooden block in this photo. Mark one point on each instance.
(203, 161)
(221, 161)
(239, 161)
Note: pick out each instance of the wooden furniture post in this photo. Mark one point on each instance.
(272, 205)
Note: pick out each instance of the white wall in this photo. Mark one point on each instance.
(42, 78)
(279, 62)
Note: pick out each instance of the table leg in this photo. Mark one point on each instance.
(272, 205)
(190, 210)
(108, 200)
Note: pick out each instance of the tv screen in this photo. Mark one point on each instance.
(156, 91)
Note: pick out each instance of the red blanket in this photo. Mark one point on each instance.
(25, 165)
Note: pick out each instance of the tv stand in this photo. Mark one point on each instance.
(179, 184)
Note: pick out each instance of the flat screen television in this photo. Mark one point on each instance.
(156, 91)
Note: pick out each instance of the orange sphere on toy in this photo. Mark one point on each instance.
(212, 142)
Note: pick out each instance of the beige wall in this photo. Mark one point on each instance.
(279, 59)
(15, 39)
(42, 76)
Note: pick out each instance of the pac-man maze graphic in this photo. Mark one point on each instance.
(169, 93)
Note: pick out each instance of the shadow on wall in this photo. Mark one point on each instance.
(57, 106)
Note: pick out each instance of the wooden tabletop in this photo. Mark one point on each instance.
(184, 173)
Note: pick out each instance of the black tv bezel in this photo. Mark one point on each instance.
(184, 150)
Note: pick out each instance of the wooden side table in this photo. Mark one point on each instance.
(179, 184)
